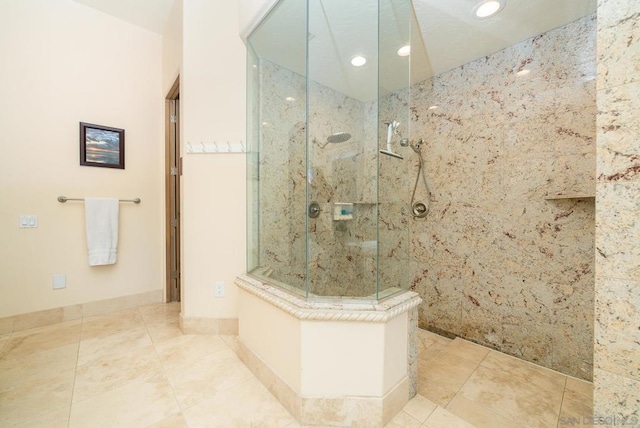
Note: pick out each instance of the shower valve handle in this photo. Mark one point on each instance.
(314, 210)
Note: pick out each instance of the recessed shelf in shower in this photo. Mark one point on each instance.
(342, 211)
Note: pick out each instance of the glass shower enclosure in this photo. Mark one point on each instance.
(328, 103)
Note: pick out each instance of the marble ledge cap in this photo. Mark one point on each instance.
(330, 311)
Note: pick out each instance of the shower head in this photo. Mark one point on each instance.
(390, 153)
(338, 137)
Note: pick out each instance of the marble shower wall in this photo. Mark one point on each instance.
(282, 176)
(617, 293)
(494, 261)
(341, 253)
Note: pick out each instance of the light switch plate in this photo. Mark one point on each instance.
(28, 221)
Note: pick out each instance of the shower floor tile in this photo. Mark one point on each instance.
(135, 368)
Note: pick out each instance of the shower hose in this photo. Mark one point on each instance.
(420, 209)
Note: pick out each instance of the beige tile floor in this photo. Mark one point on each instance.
(134, 368)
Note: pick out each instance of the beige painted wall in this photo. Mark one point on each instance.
(273, 335)
(213, 109)
(395, 351)
(362, 358)
(331, 351)
(64, 63)
(325, 358)
(172, 48)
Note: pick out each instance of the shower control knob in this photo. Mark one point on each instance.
(313, 210)
(419, 210)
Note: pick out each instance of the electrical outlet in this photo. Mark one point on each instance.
(59, 281)
(218, 290)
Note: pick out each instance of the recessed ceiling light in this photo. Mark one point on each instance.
(523, 72)
(487, 8)
(358, 61)
(405, 50)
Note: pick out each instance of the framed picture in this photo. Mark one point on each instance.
(101, 146)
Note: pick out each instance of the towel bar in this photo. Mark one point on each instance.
(64, 199)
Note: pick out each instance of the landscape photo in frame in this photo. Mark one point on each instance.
(101, 146)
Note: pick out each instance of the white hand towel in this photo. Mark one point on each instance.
(101, 216)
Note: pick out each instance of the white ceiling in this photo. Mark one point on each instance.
(150, 14)
(453, 36)
(340, 29)
(450, 37)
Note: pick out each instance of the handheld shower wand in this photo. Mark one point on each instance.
(392, 129)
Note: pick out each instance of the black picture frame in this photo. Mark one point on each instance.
(101, 146)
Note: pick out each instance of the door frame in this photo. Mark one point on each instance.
(172, 97)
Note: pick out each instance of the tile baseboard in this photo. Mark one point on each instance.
(47, 317)
(200, 325)
(333, 411)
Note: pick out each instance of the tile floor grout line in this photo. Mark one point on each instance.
(535, 365)
(436, 352)
(430, 413)
(75, 371)
(467, 379)
(129, 328)
(564, 391)
(402, 411)
(482, 361)
(505, 416)
(462, 386)
(164, 370)
(486, 409)
(10, 334)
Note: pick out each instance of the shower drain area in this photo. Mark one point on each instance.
(329, 363)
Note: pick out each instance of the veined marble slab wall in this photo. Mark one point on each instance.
(494, 261)
(617, 294)
(282, 176)
(341, 253)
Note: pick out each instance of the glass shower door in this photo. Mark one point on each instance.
(397, 161)
(276, 130)
(342, 82)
